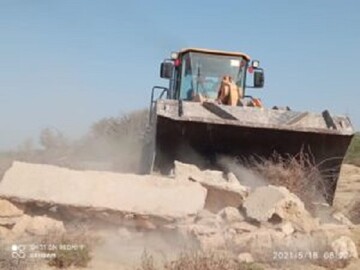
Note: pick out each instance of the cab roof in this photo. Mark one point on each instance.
(216, 52)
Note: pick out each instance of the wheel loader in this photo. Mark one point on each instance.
(188, 122)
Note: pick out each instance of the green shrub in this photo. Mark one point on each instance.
(353, 153)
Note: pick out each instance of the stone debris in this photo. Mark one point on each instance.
(287, 228)
(345, 248)
(42, 225)
(231, 214)
(206, 208)
(9, 216)
(243, 227)
(19, 228)
(8, 221)
(270, 201)
(7, 209)
(222, 190)
(38, 225)
(124, 193)
(245, 257)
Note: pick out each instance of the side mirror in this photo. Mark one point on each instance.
(259, 78)
(166, 70)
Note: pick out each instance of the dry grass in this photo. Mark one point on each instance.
(79, 257)
(299, 174)
(198, 261)
(10, 263)
(354, 212)
(353, 153)
(332, 264)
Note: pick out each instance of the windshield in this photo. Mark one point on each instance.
(202, 73)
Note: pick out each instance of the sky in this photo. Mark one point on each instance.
(66, 64)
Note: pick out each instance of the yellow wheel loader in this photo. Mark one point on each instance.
(189, 122)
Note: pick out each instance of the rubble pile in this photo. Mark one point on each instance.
(210, 208)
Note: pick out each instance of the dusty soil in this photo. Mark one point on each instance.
(122, 244)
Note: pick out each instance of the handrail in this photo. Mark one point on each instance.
(152, 102)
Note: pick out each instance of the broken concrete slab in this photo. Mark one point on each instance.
(269, 201)
(245, 257)
(214, 178)
(223, 190)
(126, 193)
(342, 219)
(243, 227)
(345, 248)
(42, 225)
(231, 214)
(287, 228)
(258, 242)
(7, 209)
(9, 221)
(20, 227)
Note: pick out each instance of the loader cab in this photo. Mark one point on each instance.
(199, 71)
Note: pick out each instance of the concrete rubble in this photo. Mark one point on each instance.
(124, 193)
(245, 257)
(270, 202)
(345, 247)
(23, 224)
(218, 185)
(251, 224)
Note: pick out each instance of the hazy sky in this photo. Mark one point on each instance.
(68, 63)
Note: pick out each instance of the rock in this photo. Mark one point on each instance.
(4, 233)
(9, 221)
(7, 209)
(233, 180)
(20, 226)
(210, 222)
(245, 257)
(342, 219)
(148, 195)
(287, 228)
(43, 225)
(204, 214)
(243, 227)
(329, 232)
(40, 225)
(269, 201)
(205, 217)
(222, 190)
(345, 248)
(258, 242)
(231, 214)
(212, 242)
(204, 236)
(198, 229)
(189, 172)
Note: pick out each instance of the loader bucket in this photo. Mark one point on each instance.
(197, 133)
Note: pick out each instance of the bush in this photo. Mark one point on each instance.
(353, 153)
(65, 258)
(112, 143)
(299, 174)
